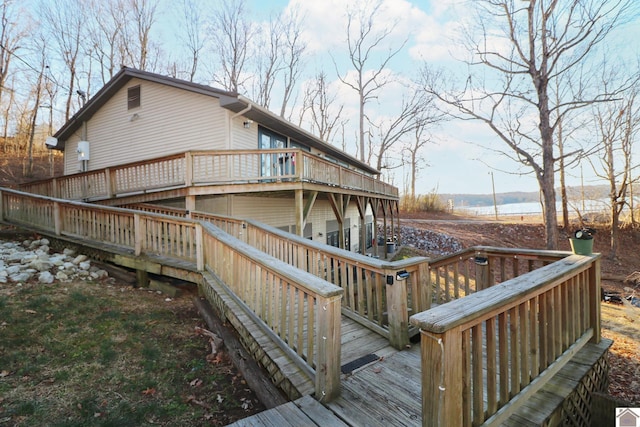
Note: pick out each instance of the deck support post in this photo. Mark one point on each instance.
(299, 212)
(142, 279)
(328, 336)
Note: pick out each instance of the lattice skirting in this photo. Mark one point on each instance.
(577, 407)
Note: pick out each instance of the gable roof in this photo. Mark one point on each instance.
(229, 100)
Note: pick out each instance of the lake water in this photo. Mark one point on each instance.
(531, 208)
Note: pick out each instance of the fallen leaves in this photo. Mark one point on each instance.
(193, 400)
(149, 391)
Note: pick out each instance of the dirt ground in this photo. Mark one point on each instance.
(620, 322)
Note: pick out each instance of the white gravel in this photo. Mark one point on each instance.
(31, 261)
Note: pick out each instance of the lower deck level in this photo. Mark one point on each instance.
(387, 393)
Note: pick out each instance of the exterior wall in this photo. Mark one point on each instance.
(243, 138)
(168, 121)
(278, 212)
(71, 163)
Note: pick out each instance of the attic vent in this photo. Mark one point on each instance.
(133, 97)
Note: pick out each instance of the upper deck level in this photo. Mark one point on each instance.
(213, 172)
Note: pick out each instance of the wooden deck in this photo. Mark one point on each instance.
(387, 393)
(545, 324)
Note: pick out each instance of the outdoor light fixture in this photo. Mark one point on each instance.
(481, 260)
(247, 124)
(402, 275)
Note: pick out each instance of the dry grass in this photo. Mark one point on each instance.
(84, 353)
(621, 323)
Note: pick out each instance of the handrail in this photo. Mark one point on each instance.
(299, 310)
(429, 281)
(485, 354)
(470, 270)
(197, 168)
(377, 294)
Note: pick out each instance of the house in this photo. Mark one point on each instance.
(235, 157)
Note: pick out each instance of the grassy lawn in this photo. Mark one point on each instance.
(99, 354)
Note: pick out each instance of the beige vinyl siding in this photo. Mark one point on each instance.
(279, 212)
(168, 121)
(71, 163)
(242, 138)
(218, 205)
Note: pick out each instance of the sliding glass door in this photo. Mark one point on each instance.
(268, 141)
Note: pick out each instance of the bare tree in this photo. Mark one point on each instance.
(138, 44)
(538, 41)
(421, 138)
(232, 34)
(294, 49)
(8, 106)
(270, 62)
(363, 39)
(321, 106)
(194, 42)
(617, 124)
(11, 37)
(66, 24)
(414, 112)
(36, 94)
(107, 36)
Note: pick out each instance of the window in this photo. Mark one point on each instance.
(133, 97)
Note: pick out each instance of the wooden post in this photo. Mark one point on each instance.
(139, 233)
(199, 248)
(57, 220)
(442, 378)
(424, 287)
(142, 278)
(594, 302)
(397, 310)
(482, 271)
(108, 182)
(328, 335)
(190, 204)
(55, 193)
(1, 206)
(188, 169)
(299, 211)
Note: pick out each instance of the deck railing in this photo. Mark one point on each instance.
(198, 168)
(301, 311)
(480, 267)
(380, 295)
(485, 354)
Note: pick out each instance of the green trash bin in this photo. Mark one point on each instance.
(581, 246)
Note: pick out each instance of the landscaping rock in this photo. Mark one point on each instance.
(31, 260)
